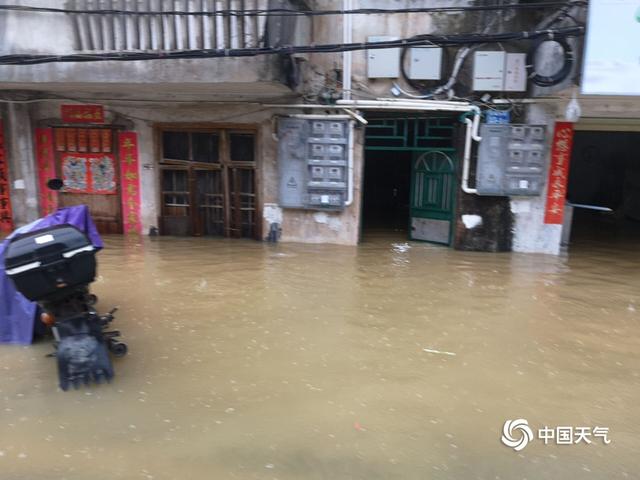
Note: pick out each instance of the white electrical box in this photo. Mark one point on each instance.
(488, 71)
(425, 63)
(384, 62)
(515, 72)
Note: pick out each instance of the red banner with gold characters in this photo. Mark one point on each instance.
(558, 172)
(46, 170)
(6, 218)
(130, 182)
(82, 113)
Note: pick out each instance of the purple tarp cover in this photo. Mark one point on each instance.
(17, 314)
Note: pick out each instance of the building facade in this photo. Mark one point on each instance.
(302, 146)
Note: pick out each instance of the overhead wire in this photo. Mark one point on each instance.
(418, 40)
(283, 12)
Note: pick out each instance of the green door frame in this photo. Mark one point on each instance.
(420, 135)
(433, 179)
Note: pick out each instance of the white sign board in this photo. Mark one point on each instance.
(612, 55)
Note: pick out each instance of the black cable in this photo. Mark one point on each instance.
(284, 12)
(420, 40)
(560, 75)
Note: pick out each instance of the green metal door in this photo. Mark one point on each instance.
(433, 186)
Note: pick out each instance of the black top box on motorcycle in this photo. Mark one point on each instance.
(50, 263)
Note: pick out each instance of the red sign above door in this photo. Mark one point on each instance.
(82, 113)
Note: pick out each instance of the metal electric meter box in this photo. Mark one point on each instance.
(383, 62)
(488, 71)
(511, 159)
(312, 162)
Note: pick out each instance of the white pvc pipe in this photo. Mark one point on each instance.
(347, 37)
(356, 116)
(417, 108)
(476, 124)
(402, 104)
(350, 162)
(319, 117)
(466, 158)
(471, 132)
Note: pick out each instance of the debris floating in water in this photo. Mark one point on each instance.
(429, 350)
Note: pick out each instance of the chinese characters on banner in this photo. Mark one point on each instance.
(6, 219)
(129, 182)
(46, 170)
(558, 172)
(82, 113)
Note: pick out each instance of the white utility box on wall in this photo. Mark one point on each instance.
(515, 72)
(384, 62)
(499, 71)
(488, 71)
(425, 63)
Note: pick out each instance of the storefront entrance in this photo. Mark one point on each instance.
(208, 182)
(410, 178)
(603, 191)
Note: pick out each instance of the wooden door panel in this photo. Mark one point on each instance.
(105, 209)
(219, 184)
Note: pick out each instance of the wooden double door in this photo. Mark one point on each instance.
(208, 182)
(87, 161)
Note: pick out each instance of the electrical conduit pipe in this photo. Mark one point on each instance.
(471, 133)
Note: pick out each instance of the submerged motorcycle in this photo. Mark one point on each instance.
(54, 267)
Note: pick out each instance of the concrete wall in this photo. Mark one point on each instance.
(297, 225)
(530, 233)
(506, 223)
(328, 29)
(143, 94)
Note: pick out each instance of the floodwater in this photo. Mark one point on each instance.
(392, 360)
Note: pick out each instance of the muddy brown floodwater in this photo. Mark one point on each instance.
(258, 361)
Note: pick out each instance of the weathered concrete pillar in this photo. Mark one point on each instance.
(530, 233)
(23, 174)
(149, 175)
(491, 224)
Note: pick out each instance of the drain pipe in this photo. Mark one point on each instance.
(350, 155)
(471, 133)
(347, 38)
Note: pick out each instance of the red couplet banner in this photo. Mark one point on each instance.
(130, 182)
(46, 170)
(6, 217)
(558, 172)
